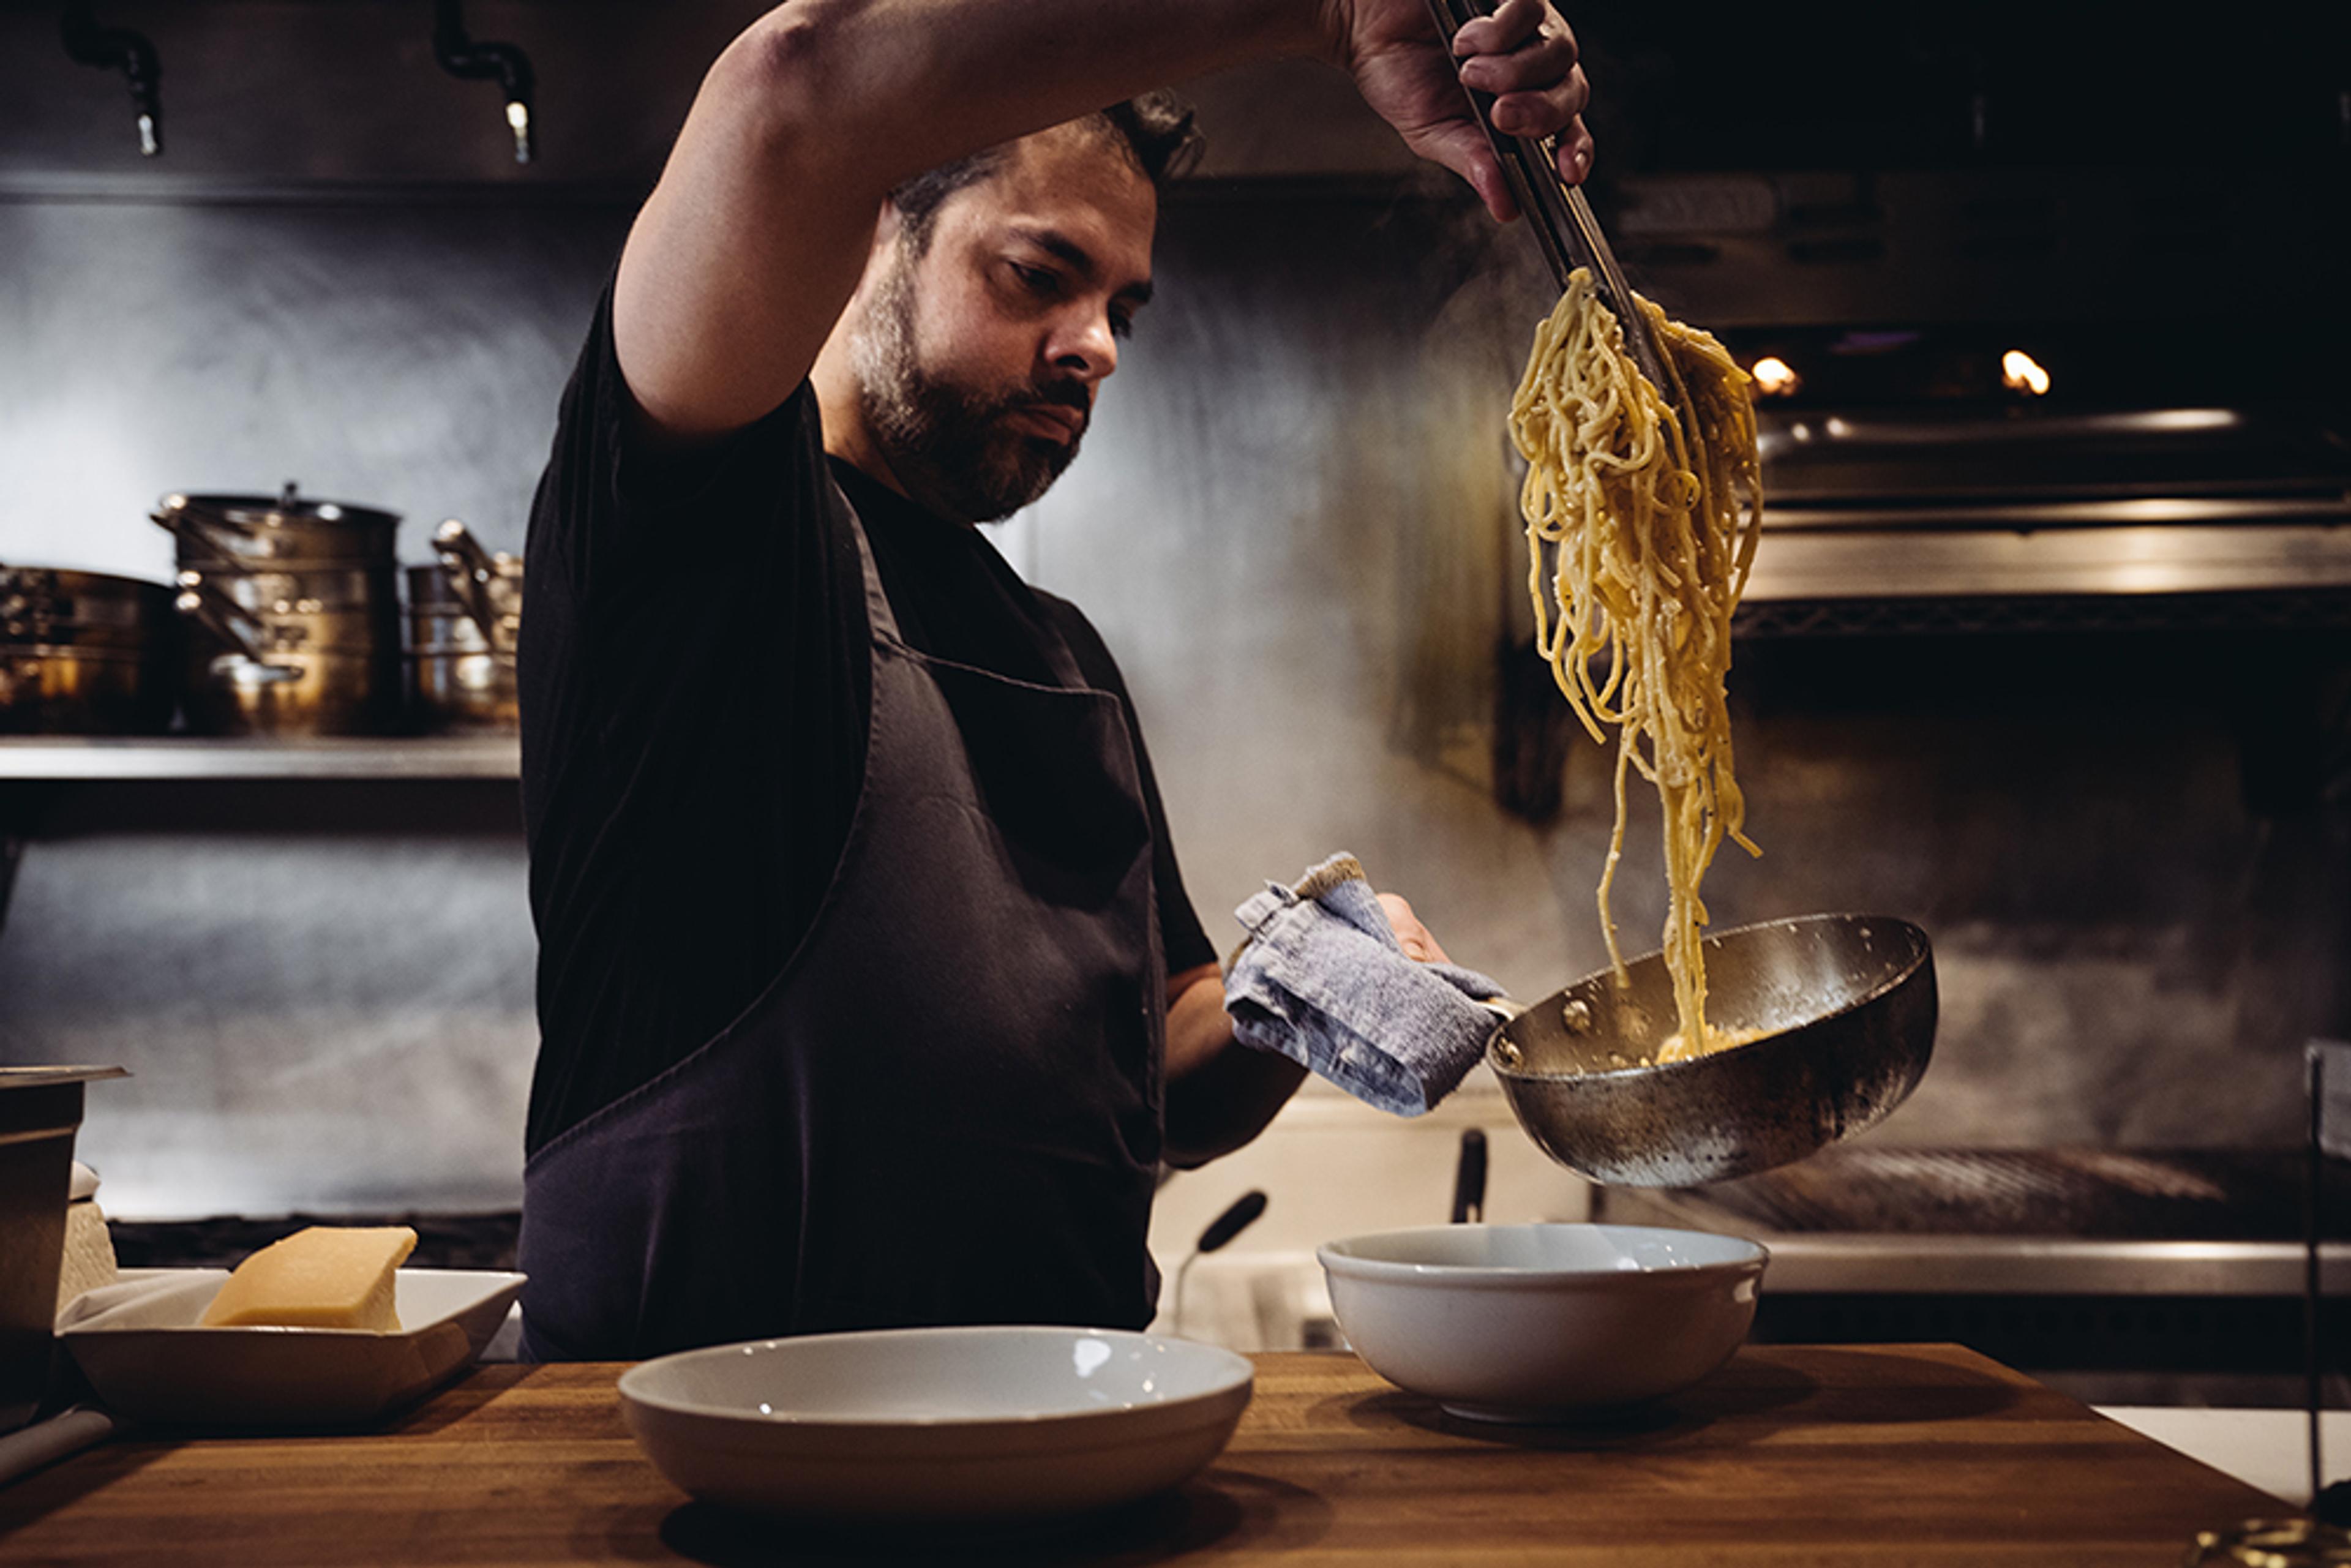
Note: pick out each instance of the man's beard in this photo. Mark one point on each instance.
(948, 444)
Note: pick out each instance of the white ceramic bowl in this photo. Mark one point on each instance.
(927, 1426)
(1543, 1322)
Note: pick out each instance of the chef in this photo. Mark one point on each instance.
(870, 994)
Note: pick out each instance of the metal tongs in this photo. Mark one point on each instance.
(1561, 219)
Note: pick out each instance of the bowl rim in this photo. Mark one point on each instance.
(1926, 954)
(1503, 1276)
(1238, 1377)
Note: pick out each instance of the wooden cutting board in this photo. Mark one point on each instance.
(1878, 1455)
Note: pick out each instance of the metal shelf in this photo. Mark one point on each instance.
(2282, 610)
(424, 757)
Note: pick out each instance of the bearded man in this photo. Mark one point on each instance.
(869, 992)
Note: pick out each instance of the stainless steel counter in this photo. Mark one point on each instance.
(1871, 1264)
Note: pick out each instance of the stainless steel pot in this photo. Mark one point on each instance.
(288, 668)
(86, 652)
(464, 622)
(250, 532)
(298, 606)
(1848, 1005)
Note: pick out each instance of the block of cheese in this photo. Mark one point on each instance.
(88, 1260)
(328, 1277)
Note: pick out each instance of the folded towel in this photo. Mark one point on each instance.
(146, 1299)
(44, 1443)
(1322, 980)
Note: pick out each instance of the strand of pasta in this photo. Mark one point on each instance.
(1650, 529)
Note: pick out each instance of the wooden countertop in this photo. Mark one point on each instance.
(1883, 1455)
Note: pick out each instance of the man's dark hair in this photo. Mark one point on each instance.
(1155, 130)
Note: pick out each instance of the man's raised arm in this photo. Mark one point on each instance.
(753, 242)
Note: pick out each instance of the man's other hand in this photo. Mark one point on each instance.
(1418, 944)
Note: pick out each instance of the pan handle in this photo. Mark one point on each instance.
(1469, 1179)
(469, 569)
(216, 613)
(474, 574)
(1506, 1012)
(195, 534)
(181, 516)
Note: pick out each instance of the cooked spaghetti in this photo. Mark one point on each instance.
(1646, 528)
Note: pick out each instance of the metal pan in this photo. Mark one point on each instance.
(84, 653)
(1850, 1003)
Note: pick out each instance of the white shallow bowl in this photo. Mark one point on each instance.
(1543, 1322)
(141, 1344)
(928, 1426)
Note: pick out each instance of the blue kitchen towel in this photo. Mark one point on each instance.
(1322, 980)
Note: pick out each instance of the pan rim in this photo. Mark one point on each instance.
(1922, 955)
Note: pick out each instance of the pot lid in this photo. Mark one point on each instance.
(289, 508)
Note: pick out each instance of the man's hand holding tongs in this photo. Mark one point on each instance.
(1523, 53)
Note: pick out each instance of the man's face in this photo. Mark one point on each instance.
(978, 360)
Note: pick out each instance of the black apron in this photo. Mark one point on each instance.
(945, 1108)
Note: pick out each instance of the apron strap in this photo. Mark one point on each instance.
(879, 616)
(883, 620)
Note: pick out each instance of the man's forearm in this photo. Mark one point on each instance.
(1220, 1093)
(901, 86)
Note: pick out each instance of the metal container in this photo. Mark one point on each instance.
(298, 606)
(464, 622)
(254, 532)
(40, 1110)
(86, 652)
(1848, 1002)
(288, 667)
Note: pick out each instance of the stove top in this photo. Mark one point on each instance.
(2139, 1276)
(2204, 1195)
(2040, 1222)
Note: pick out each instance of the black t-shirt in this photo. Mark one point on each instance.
(695, 688)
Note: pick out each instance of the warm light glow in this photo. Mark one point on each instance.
(2020, 371)
(1775, 377)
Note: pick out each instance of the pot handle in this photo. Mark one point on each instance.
(172, 513)
(222, 616)
(194, 533)
(470, 571)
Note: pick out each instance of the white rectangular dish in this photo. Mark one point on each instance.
(141, 1344)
